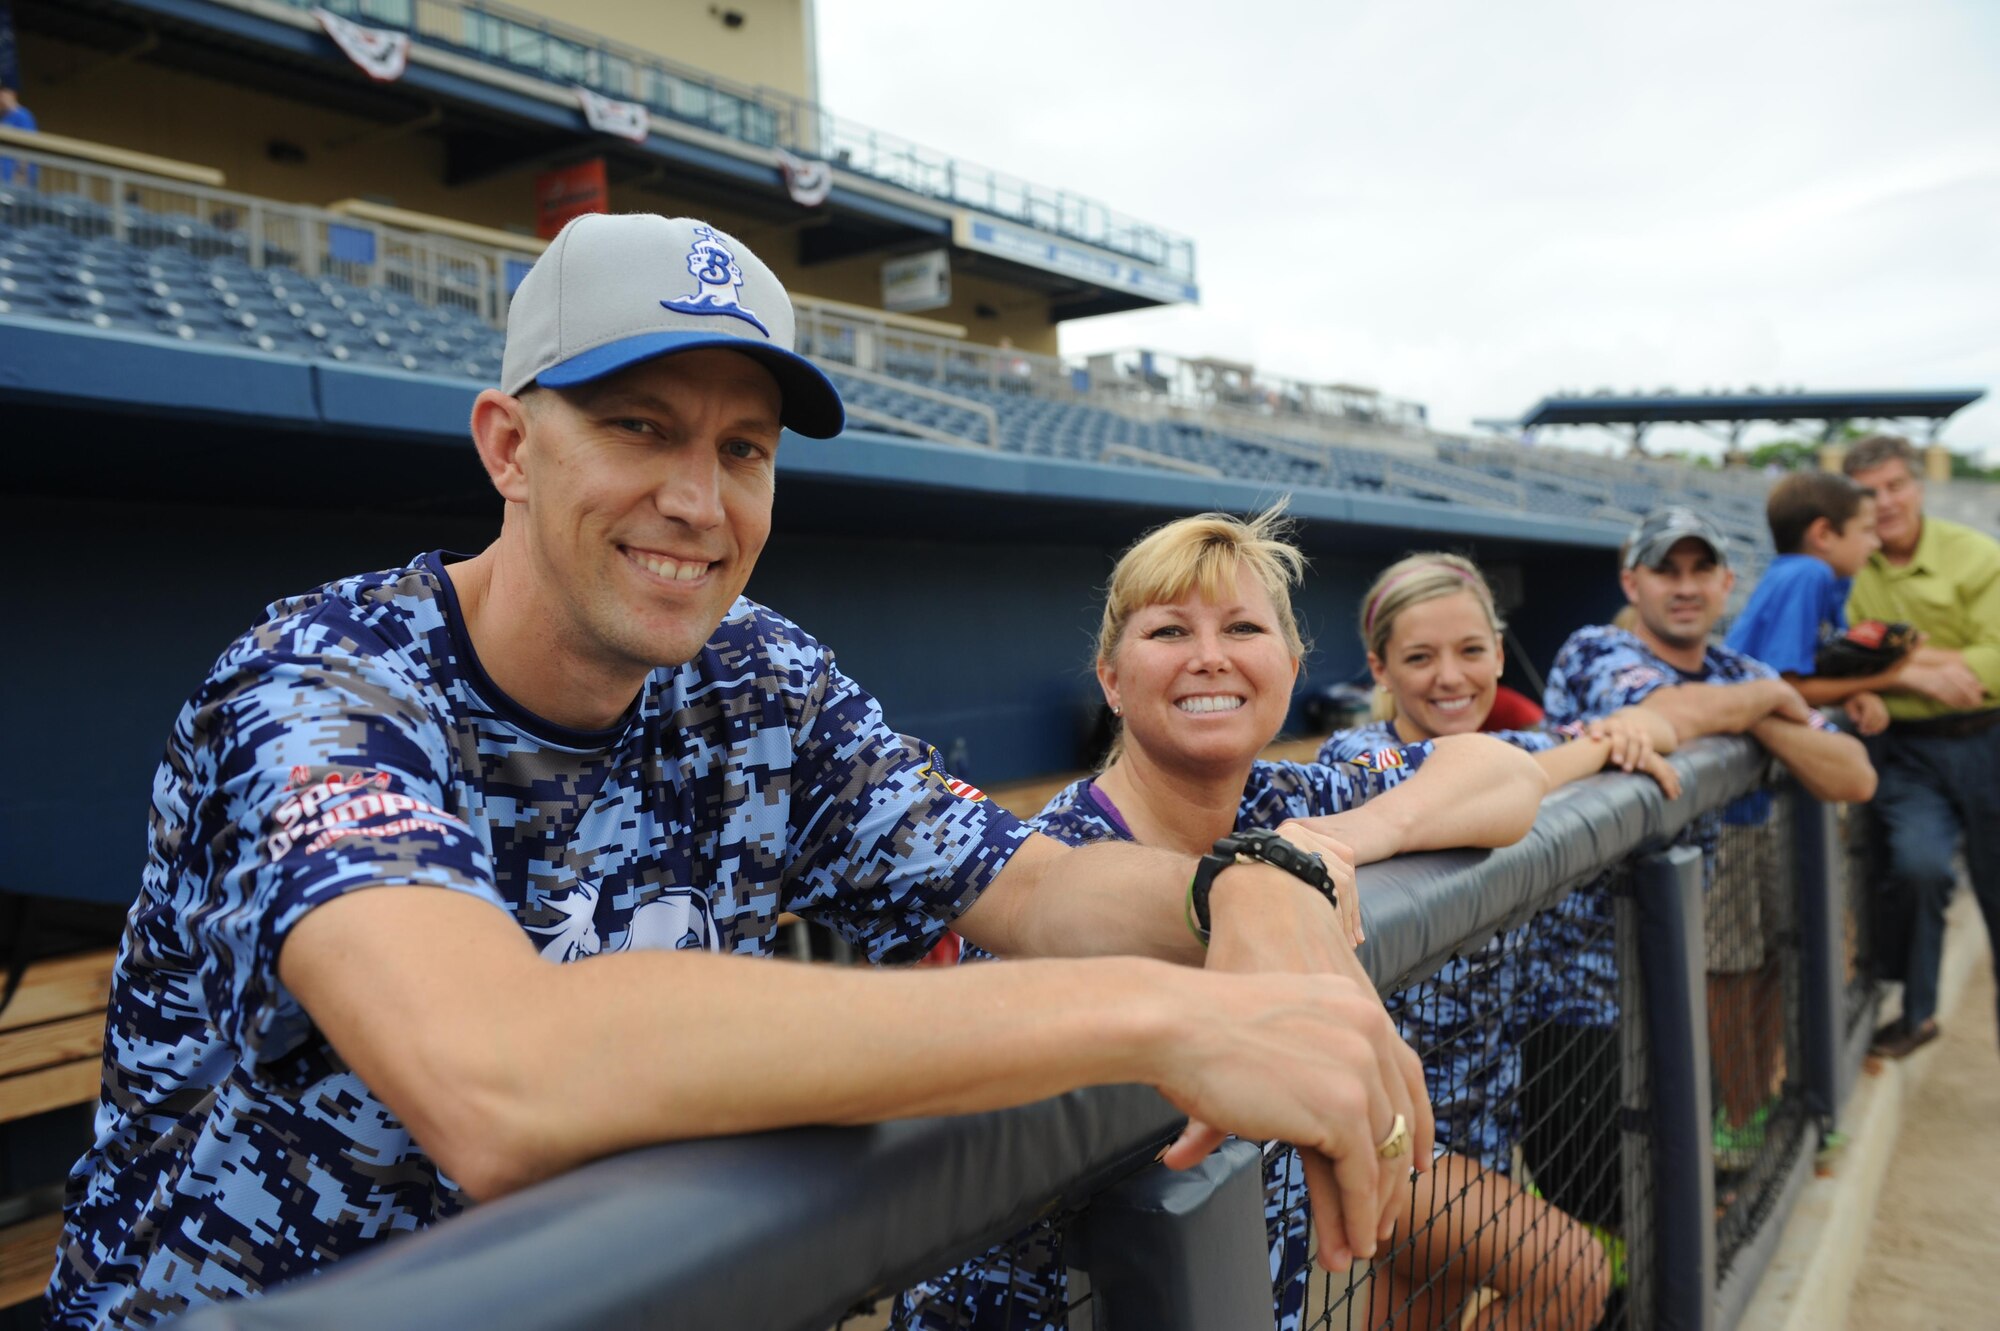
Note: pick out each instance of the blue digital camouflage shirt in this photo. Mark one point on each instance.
(1021, 1285)
(1597, 672)
(1457, 1020)
(351, 740)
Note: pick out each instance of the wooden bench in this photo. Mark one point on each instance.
(52, 1035)
(51, 1053)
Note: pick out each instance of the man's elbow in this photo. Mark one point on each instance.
(1855, 787)
(482, 1135)
(1853, 780)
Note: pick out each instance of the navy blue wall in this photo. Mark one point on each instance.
(152, 521)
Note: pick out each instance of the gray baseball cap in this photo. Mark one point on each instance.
(612, 290)
(1659, 530)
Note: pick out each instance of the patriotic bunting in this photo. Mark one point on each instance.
(806, 181)
(608, 115)
(377, 52)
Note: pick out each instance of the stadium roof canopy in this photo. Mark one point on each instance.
(1736, 410)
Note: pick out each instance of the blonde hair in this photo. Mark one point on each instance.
(1412, 581)
(1203, 553)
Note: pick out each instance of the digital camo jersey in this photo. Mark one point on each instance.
(352, 739)
(1457, 1019)
(1021, 1285)
(1599, 670)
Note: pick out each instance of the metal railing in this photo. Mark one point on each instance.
(1582, 1139)
(545, 48)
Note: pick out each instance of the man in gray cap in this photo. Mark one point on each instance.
(400, 798)
(1674, 571)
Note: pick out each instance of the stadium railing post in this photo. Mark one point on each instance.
(1668, 890)
(1816, 848)
(1184, 1250)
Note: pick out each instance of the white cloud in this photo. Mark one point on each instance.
(1474, 204)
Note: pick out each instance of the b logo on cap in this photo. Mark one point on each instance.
(719, 278)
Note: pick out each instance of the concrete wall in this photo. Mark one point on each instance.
(769, 48)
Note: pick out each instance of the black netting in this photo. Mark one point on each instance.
(1759, 1120)
(1857, 883)
(1534, 1059)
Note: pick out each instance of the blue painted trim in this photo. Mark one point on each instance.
(54, 360)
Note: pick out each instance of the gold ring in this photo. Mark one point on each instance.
(1397, 1143)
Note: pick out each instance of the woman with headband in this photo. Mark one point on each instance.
(1197, 655)
(1433, 636)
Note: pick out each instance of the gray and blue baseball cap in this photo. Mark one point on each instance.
(1659, 530)
(614, 289)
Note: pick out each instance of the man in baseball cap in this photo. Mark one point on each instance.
(457, 871)
(1676, 577)
(1663, 529)
(613, 291)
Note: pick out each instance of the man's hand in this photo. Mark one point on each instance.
(1267, 921)
(1786, 704)
(1944, 676)
(1869, 713)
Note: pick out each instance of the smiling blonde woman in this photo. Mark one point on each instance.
(1198, 652)
(1434, 639)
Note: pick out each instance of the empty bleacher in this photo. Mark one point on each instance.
(198, 266)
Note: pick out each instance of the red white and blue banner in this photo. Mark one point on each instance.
(377, 52)
(808, 182)
(608, 115)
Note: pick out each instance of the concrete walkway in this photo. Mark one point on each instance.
(1932, 1259)
(1901, 1231)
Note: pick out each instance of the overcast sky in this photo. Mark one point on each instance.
(1475, 204)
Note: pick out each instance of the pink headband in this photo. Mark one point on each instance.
(1375, 601)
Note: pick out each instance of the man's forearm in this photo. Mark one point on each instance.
(1710, 709)
(1831, 766)
(1823, 691)
(508, 1068)
(519, 1067)
(1983, 659)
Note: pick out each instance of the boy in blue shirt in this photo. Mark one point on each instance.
(1823, 525)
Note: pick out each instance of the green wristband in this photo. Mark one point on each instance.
(1194, 924)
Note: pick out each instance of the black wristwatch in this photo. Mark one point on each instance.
(1255, 847)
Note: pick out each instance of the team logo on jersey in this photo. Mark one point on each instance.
(318, 811)
(1636, 677)
(934, 771)
(718, 279)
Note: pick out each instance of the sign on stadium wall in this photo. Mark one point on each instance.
(919, 282)
(1084, 262)
(567, 192)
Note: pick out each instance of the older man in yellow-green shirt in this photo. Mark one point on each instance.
(1939, 761)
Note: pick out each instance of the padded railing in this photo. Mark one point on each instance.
(788, 1230)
